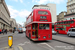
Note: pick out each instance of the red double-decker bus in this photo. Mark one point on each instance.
(62, 27)
(39, 25)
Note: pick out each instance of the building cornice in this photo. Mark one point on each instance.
(4, 21)
(5, 6)
(70, 4)
(69, 14)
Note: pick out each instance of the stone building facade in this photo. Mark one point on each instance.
(70, 10)
(4, 16)
(61, 15)
(12, 23)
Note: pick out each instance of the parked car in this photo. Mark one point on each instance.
(54, 32)
(71, 32)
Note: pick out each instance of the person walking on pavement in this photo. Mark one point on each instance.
(6, 31)
(3, 31)
(13, 31)
(0, 31)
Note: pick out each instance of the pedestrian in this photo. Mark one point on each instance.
(6, 31)
(13, 31)
(3, 31)
(0, 31)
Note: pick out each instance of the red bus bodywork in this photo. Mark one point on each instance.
(62, 27)
(39, 25)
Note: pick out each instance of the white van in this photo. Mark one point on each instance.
(24, 29)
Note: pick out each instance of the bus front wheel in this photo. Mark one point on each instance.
(29, 36)
(25, 34)
(57, 32)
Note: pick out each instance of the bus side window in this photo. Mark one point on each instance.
(68, 22)
(33, 27)
(57, 29)
(72, 21)
(64, 22)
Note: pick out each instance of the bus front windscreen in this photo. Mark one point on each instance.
(43, 26)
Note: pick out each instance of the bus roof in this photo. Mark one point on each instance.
(65, 20)
(39, 9)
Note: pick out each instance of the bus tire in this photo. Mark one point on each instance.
(26, 35)
(57, 32)
(29, 36)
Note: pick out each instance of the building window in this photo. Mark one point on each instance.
(64, 13)
(48, 9)
(71, 0)
(73, 10)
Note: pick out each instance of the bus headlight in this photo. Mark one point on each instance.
(39, 36)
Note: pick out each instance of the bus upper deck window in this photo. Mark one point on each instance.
(68, 22)
(62, 22)
(55, 23)
(72, 21)
(43, 12)
(59, 22)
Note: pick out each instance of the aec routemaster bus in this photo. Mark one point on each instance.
(62, 27)
(39, 25)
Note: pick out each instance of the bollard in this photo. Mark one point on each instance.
(10, 41)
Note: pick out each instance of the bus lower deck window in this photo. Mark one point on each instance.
(43, 26)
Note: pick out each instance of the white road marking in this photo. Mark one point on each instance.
(22, 44)
(20, 47)
(48, 46)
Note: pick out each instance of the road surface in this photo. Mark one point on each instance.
(24, 43)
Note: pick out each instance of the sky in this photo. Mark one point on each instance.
(20, 9)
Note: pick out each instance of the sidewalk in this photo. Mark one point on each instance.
(8, 33)
(13, 48)
(64, 39)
